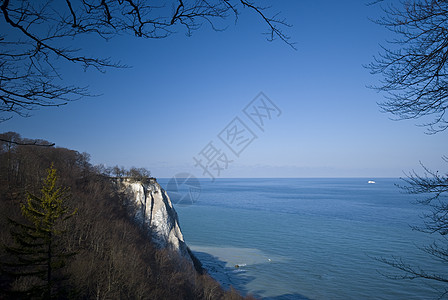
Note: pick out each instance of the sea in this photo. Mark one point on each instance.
(316, 238)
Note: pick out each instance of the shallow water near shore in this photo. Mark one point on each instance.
(308, 238)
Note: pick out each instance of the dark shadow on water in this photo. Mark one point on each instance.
(236, 277)
(287, 297)
(226, 276)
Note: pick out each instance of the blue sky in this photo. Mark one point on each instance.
(181, 92)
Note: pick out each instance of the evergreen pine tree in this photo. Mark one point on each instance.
(37, 256)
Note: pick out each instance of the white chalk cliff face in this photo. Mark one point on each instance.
(155, 210)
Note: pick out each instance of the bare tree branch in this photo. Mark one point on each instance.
(414, 68)
(9, 139)
(38, 37)
(433, 187)
(35, 143)
(273, 23)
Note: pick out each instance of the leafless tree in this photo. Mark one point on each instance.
(415, 79)
(433, 189)
(119, 172)
(138, 174)
(413, 67)
(435, 186)
(114, 257)
(37, 37)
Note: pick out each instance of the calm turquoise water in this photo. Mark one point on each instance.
(307, 238)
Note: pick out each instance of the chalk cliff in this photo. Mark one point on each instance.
(156, 212)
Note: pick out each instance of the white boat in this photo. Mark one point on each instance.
(371, 181)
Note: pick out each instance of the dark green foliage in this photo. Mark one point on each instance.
(37, 254)
(114, 257)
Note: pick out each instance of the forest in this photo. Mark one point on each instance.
(93, 248)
